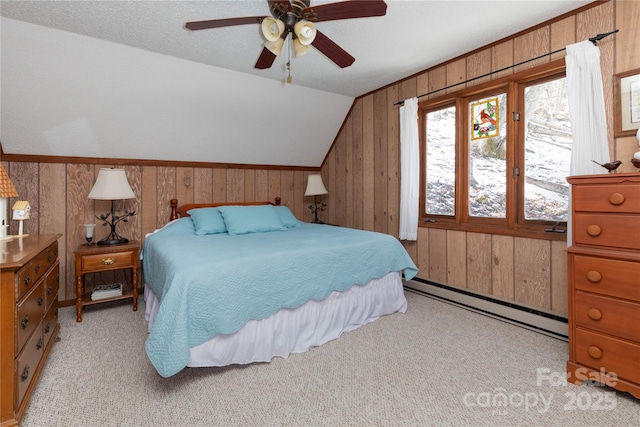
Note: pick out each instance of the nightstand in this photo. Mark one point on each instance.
(98, 258)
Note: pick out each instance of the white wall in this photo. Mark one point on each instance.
(64, 94)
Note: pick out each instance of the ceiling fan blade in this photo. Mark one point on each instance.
(228, 22)
(345, 10)
(332, 51)
(265, 60)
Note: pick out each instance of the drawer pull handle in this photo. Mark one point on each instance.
(616, 199)
(58, 278)
(40, 300)
(108, 261)
(49, 258)
(594, 230)
(594, 276)
(25, 373)
(595, 352)
(47, 328)
(27, 279)
(594, 314)
(25, 322)
(49, 289)
(37, 268)
(39, 344)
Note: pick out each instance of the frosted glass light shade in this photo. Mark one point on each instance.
(111, 184)
(315, 186)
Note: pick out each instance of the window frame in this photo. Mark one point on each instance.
(513, 223)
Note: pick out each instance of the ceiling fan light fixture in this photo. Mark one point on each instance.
(272, 28)
(299, 48)
(305, 31)
(275, 47)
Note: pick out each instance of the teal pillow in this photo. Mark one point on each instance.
(287, 218)
(251, 219)
(207, 221)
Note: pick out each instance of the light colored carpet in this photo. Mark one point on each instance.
(437, 364)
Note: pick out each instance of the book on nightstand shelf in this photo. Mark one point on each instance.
(106, 291)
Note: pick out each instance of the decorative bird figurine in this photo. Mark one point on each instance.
(635, 162)
(611, 166)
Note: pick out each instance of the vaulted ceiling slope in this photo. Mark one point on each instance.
(125, 79)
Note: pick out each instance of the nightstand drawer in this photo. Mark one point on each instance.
(607, 198)
(27, 362)
(29, 312)
(108, 261)
(614, 355)
(619, 231)
(608, 315)
(607, 276)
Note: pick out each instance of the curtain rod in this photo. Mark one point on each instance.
(593, 40)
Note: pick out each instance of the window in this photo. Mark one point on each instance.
(496, 157)
(440, 177)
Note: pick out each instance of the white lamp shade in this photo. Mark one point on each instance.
(315, 186)
(305, 31)
(272, 28)
(275, 47)
(299, 48)
(111, 184)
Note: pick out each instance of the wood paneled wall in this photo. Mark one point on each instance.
(57, 193)
(361, 172)
(363, 166)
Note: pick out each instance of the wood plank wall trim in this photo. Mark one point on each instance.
(140, 162)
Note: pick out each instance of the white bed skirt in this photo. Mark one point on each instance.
(296, 330)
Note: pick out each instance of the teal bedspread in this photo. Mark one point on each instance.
(214, 284)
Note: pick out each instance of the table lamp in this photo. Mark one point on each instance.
(315, 188)
(6, 190)
(112, 184)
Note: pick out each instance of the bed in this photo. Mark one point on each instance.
(243, 283)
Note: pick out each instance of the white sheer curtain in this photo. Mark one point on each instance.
(409, 170)
(586, 107)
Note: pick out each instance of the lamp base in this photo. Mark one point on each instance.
(317, 221)
(113, 239)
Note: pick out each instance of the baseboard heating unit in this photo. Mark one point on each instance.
(508, 311)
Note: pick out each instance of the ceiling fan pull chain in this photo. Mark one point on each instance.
(289, 61)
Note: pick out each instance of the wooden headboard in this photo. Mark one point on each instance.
(181, 211)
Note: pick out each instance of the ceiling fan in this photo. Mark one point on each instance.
(296, 18)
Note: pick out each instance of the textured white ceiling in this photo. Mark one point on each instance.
(125, 79)
(414, 35)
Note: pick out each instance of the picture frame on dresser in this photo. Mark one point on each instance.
(626, 103)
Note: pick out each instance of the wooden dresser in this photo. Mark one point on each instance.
(30, 280)
(604, 281)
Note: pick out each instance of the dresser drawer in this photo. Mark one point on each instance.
(614, 355)
(619, 231)
(102, 262)
(609, 315)
(51, 285)
(24, 280)
(617, 198)
(44, 260)
(29, 312)
(27, 362)
(50, 322)
(607, 276)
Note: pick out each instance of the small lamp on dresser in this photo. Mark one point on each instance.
(315, 188)
(112, 184)
(21, 211)
(6, 190)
